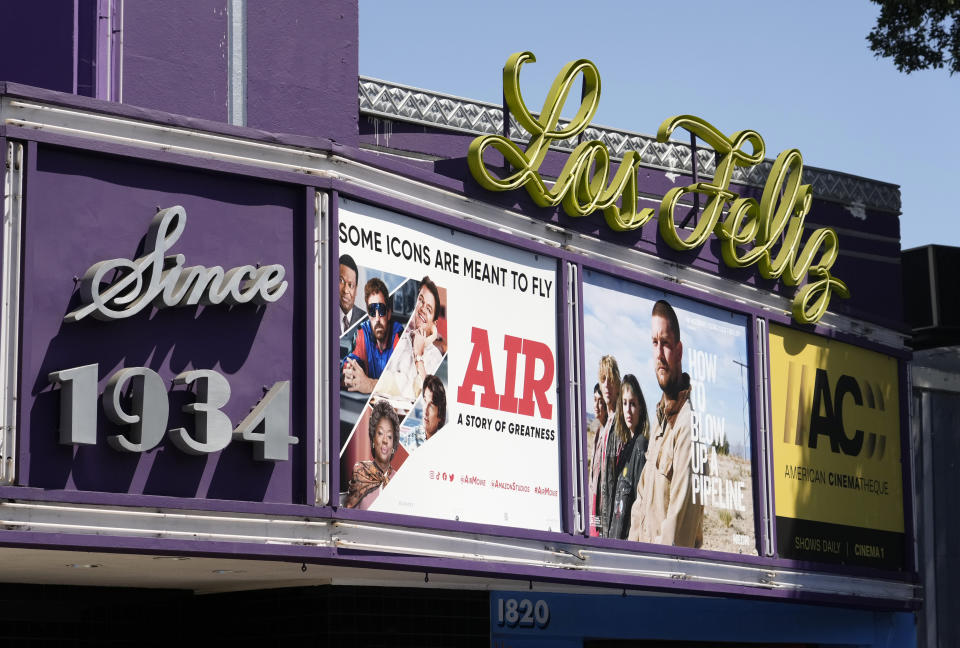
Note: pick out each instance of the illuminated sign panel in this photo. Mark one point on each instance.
(668, 430)
(836, 451)
(766, 233)
(448, 401)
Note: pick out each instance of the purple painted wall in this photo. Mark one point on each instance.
(301, 58)
(175, 57)
(302, 68)
(111, 203)
(38, 43)
(87, 19)
(301, 63)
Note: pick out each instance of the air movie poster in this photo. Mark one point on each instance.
(667, 391)
(448, 373)
(836, 451)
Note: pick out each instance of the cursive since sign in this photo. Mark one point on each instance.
(163, 281)
(749, 230)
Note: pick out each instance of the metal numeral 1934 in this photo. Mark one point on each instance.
(147, 410)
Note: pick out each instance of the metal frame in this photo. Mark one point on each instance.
(378, 543)
(764, 431)
(665, 283)
(321, 333)
(575, 362)
(13, 174)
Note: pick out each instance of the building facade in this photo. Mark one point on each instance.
(363, 361)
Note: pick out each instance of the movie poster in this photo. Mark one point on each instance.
(448, 373)
(836, 451)
(667, 396)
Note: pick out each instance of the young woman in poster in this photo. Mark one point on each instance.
(633, 430)
(601, 482)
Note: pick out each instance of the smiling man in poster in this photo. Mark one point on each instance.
(416, 353)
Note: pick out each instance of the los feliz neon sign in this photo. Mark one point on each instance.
(748, 233)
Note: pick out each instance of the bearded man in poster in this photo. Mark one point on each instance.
(664, 511)
(375, 341)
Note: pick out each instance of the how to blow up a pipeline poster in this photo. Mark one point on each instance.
(836, 451)
(448, 373)
(669, 443)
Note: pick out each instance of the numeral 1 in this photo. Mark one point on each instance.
(78, 404)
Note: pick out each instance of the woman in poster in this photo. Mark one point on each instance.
(371, 477)
(632, 430)
(605, 448)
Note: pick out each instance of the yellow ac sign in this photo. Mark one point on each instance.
(749, 232)
(835, 410)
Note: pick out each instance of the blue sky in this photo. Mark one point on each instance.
(799, 73)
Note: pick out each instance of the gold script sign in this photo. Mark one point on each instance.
(749, 230)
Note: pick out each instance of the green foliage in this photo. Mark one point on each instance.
(918, 34)
(722, 448)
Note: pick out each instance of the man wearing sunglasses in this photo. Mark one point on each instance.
(374, 343)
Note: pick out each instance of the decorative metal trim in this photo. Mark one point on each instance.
(405, 103)
(13, 173)
(237, 62)
(499, 555)
(576, 414)
(321, 377)
(766, 440)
